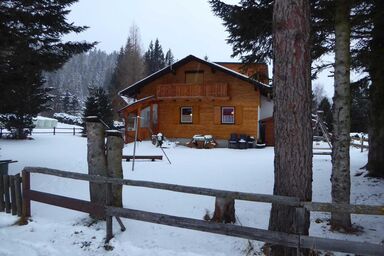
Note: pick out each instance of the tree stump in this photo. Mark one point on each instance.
(97, 162)
(115, 144)
(224, 210)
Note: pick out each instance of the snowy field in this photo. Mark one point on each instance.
(57, 231)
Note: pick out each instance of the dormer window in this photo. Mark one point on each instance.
(194, 77)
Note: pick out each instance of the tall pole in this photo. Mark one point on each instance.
(134, 144)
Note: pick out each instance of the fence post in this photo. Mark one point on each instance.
(300, 219)
(18, 194)
(13, 194)
(108, 202)
(362, 142)
(74, 131)
(54, 130)
(6, 194)
(2, 206)
(26, 201)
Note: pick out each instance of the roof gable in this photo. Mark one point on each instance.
(132, 89)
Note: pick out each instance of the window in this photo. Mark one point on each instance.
(194, 77)
(186, 115)
(227, 115)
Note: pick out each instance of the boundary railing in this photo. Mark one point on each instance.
(273, 237)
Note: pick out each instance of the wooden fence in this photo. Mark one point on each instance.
(54, 131)
(273, 237)
(10, 194)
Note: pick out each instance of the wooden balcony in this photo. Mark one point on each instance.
(191, 91)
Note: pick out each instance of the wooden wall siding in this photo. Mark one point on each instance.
(206, 112)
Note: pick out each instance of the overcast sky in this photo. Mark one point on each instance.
(184, 26)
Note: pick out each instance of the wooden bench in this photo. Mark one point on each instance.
(152, 158)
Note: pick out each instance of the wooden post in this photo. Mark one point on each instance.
(97, 161)
(74, 131)
(26, 201)
(54, 130)
(224, 210)
(2, 205)
(362, 142)
(13, 194)
(18, 195)
(300, 226)
(108, 222)
(6, 194)
(115, 144)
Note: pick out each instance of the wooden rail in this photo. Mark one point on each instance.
(273, 237)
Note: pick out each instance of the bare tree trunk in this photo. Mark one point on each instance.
(115, 144)
(224, 210)
(341, 181)
(376, 94)
(97, 162)
(292, 114)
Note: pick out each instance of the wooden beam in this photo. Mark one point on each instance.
(212, 227)
(66, 202)
(267, 236)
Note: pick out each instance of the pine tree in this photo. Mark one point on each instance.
(129, 67)
(98, 104)
(359, 107)
(154, 58)
(66, 101)
(30, 34)
(169, 59)
(292, 112)
(74, 105)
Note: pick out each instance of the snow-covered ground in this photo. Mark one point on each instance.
(58, 231)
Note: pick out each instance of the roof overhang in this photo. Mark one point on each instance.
(134, 88)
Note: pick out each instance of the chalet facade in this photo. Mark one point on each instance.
(194, 96)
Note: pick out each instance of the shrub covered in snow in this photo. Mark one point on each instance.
(68, 119)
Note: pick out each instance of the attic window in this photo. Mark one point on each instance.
(227, 115)
(194, 77)
(186, 115)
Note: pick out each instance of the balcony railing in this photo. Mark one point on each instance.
(180, 90)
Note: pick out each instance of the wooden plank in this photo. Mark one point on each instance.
(272, 237)
(284, 200)
(13, 194)
(19, 201)
(66, 202)
(2, 204)
(26, 201)
(346, 208)
(129, 157)
(212, 227)
(358, 248)
(7, 200)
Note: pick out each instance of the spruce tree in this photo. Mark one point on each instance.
(30, 43)
(154, 58)
(169, 58)
(98, 104)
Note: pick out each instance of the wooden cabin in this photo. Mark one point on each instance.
(194, 96)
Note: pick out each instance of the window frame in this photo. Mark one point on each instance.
(234, 115)
(181, 115)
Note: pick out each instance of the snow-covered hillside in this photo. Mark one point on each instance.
(57, 231)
